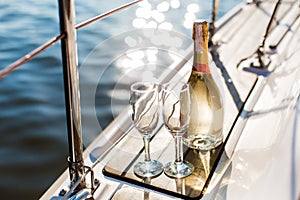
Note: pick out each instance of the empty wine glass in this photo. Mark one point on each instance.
(176, 115)
(145, 113)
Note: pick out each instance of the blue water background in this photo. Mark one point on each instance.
(33, 134)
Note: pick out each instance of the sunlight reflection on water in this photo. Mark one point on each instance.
(32, 118)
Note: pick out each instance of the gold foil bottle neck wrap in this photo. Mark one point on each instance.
(200, 35)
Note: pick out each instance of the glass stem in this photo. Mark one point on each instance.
(178, 149)
(146, 140)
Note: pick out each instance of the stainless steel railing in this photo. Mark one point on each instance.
(71, 89)
(71, 82)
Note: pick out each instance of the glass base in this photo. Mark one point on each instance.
(178, 169)
(202, 142)
(148, 169)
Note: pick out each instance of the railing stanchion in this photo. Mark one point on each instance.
(214, 13)
(72, 94)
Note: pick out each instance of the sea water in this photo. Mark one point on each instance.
(33, 133)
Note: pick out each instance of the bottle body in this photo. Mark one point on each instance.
(207, 112)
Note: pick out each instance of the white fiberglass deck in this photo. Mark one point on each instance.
(261, 157)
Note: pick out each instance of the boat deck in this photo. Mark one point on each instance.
(257, 159)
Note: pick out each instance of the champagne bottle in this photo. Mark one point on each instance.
(206, 117)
